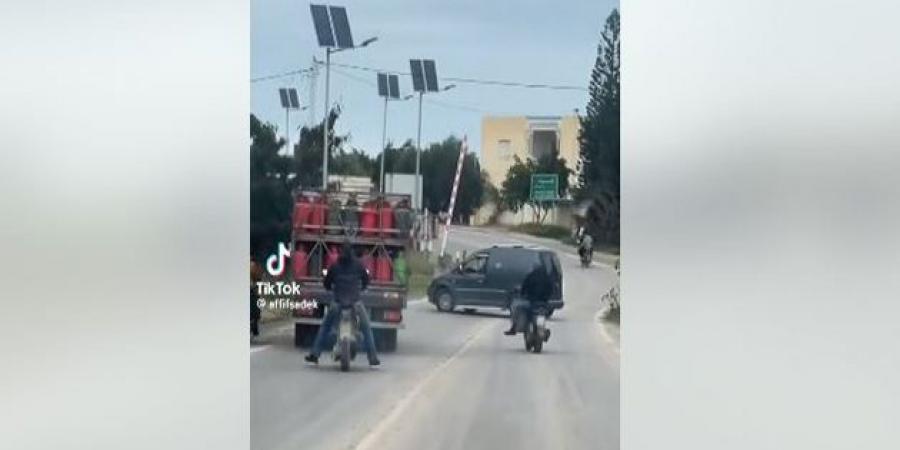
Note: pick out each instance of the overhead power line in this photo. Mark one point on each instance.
(280, 75)
(473, 80)
(513, 84)
(427, 100)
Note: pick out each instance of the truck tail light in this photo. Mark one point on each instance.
(393, 315)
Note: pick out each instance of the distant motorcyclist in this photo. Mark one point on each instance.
(536, 288)
(586, 245)
(346, 279)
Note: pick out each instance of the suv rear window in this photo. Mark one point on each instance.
(551, 262)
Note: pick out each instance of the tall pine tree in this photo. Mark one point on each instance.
(599, 137)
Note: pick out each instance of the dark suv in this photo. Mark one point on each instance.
(487, 277)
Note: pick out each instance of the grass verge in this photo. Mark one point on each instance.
(559, 233)
(421, 270)
(545, 231)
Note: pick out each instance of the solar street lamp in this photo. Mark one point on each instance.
(289, 101)
(389, 88)
(333, 33)
(424, 77)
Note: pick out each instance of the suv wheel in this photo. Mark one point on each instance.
(444, 301)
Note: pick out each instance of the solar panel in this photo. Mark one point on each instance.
(282, 93)
(322, 24)
(394, 86)
(295, 102)
(431, 82)
(382, 85)
(341, 26)
(418, 76)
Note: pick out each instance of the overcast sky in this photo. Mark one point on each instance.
(528, 41)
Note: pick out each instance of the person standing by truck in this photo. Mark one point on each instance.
(345, 280)
(255, 276)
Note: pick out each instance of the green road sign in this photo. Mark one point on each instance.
(544, 187)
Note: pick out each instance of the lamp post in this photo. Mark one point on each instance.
(289, 101)
(325, 138)
(384, 140)
(389, 88)
(419, 144)
(333, 33)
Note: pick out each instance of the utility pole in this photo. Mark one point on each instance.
(325, 122)
(424, 78)
(333, 33)
(383, 145)
(417, 199)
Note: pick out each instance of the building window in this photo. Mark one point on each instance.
(503, 149)
(543, 143)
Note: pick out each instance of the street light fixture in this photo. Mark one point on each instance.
(333, 33)
(424, 77)
(389, 88)
(289, 101)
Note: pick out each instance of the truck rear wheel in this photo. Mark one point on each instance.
(304, 335)
(385, 340)
(389, 340)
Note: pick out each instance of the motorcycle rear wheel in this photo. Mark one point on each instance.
(345, 355)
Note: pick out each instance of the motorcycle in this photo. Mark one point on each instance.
(536, 331)
(587, 255)
(348, 338)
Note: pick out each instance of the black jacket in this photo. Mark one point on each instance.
(346, 279)
(538, 286)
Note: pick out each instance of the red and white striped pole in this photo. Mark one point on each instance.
(459, 165)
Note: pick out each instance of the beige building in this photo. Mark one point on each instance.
(527, 137)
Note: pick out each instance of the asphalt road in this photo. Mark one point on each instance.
(455, 381)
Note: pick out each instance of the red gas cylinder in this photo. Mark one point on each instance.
(387, 216)
(369, 263)
(298, 262)
(368, 218)
(383, 270)
(317, 215)
(301, 211)
(332, 257)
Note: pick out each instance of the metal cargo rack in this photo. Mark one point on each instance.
(377, 241)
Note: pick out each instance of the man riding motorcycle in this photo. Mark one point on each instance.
(536, 288)
(586, 245)
(346, 279)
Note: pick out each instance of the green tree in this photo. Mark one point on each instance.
(274, 177)
(438, 168)
(270, 189)
(352, 163)
(307, 164)
(599, 137)
(515, 191)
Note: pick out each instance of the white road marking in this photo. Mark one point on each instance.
(371, 438)
(259, 348)
(604, 334)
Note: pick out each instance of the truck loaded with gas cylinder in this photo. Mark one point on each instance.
(378, 226)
